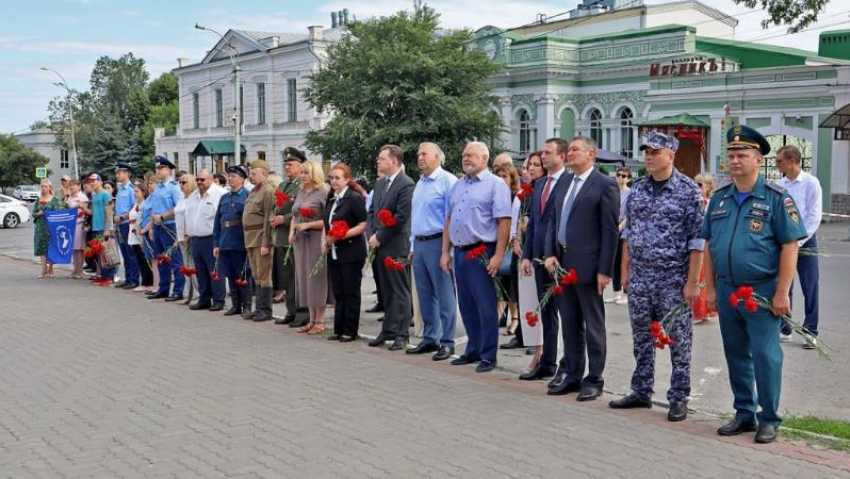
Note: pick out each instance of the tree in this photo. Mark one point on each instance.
(162, 116)
(401, 80)
(39, 124)
(163, 90)
(18, 162)
(797, 14)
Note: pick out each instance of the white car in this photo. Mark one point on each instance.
(13, 212)
(27, 192)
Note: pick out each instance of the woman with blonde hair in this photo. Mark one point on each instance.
(77, 199)
(700, 312)
(306, 236)
(42, 235)
(188, 185)
(509, 273)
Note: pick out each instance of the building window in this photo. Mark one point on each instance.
(524, 133)
(596, 127)
(196, 111)
(219, 109)
(291, 100)
(63, 159)
(627, 139)
(261, 155)
(176, 160)
(261, 103)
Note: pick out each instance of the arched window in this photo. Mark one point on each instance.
(524, 133)
(596, 126)
(627, 139)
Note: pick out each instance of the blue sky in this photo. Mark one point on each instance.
(69, 35)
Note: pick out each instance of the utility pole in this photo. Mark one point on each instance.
(69, 105)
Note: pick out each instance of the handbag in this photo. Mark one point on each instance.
(110, 255)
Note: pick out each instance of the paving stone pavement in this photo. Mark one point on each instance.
(103, 383)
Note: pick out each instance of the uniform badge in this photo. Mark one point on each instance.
(761, 206)
(788, 201)
(756, 226)
(795, 217)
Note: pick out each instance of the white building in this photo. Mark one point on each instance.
(43, 141)
(274, 70)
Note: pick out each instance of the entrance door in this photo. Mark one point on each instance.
(688, 158)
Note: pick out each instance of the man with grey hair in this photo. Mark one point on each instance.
(502, 159)
(477, 227)
(436, 288)
(806, 192)
(201, 207)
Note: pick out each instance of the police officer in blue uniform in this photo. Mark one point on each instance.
(751, 230)
(125, 199)
(164, 198)
(229, 242)
(662, 258)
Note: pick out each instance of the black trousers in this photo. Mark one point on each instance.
(583, 330)
(144, 267)
(397, 301)
(380, 293)
(345, 283)
(549, 318)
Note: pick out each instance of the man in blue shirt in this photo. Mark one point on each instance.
(479, 216)
(435, 287)
(751, 230)
(124, 202)
(101, 223)
(164, 199)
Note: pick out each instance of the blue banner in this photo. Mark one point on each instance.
(62, 224)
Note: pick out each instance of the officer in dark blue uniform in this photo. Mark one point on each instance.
(229, 242)
(164, 198)
(751, 230)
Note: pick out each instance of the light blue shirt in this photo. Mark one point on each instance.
(124, 199)
(164, 198)
(476, 204)
(145, 208)
(430, 203)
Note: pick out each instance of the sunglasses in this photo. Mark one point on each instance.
(183, 182)
(699, 184)
(622, 176)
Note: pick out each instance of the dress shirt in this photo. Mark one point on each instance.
(165, 197)
(476, 204)
(200, 212)
(133, 236)
(124, 199)
(147, 211)
(577, 186)
(336, 197)
(180, 218)
(390, 180)
(807, 193)
(430, 204)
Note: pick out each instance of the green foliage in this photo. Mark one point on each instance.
(18, 162)
(162, 116)
(797, 14)
(39, 124)
(401, 80)
(163, 90)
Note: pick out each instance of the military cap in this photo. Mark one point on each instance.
(260, 164)
(162, 161)
(742, 137)
(293, 154)
(658, 141)
(123, 166)
(237, 170)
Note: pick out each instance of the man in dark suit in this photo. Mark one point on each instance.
(546, 189)
(582, 234)
(393, 192)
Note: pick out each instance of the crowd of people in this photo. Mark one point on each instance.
(537, 246)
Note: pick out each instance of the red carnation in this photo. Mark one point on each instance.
(570, 277)
(339, 229)
(386, 218)
(388, 262)
(751, 305)
(306, 212)
(531, 318)
(280, 198)
(241, 282)
(525, 191)
(745, 292)
(558, 289)
(215, 276)
(734, 300)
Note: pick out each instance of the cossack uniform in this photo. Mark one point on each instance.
(229, 238)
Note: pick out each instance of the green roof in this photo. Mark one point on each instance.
(678, 120)
(753, 55)
(215, 147)
(530, 38)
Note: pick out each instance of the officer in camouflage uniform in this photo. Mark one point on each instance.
(662, 257)
(259, 237)
(229, 242)
(751, 229)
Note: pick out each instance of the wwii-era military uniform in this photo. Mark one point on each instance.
(284, 268)
(259, 209)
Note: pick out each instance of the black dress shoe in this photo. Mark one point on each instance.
(299, 323)
(539, 372)
(589, 393)
(678, 411)
(130, 286)
(379, 340)
(376, 309)
(347, 339)
(197, 306)
(285, 320)
(332, 337)
(443, 353)
(766, 434)
(174, 298)
(560, 377)
(632, 401)
(381, 319)
(217, 307)
(464, 359)
(735, 427)
(423, 348)
(398, 345)
(530, 351)
(119, 284)
(512, 344)
(158, 296)
(563, 388)
(485, 366)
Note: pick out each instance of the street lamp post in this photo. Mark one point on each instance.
(70, 107)
(237, 100)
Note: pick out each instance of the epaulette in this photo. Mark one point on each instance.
(775, 187)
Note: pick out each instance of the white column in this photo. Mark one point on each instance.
(506, 136)
(545, 120)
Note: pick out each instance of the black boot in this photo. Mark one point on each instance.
(236, 303)
(247, 297)
(264, 305)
